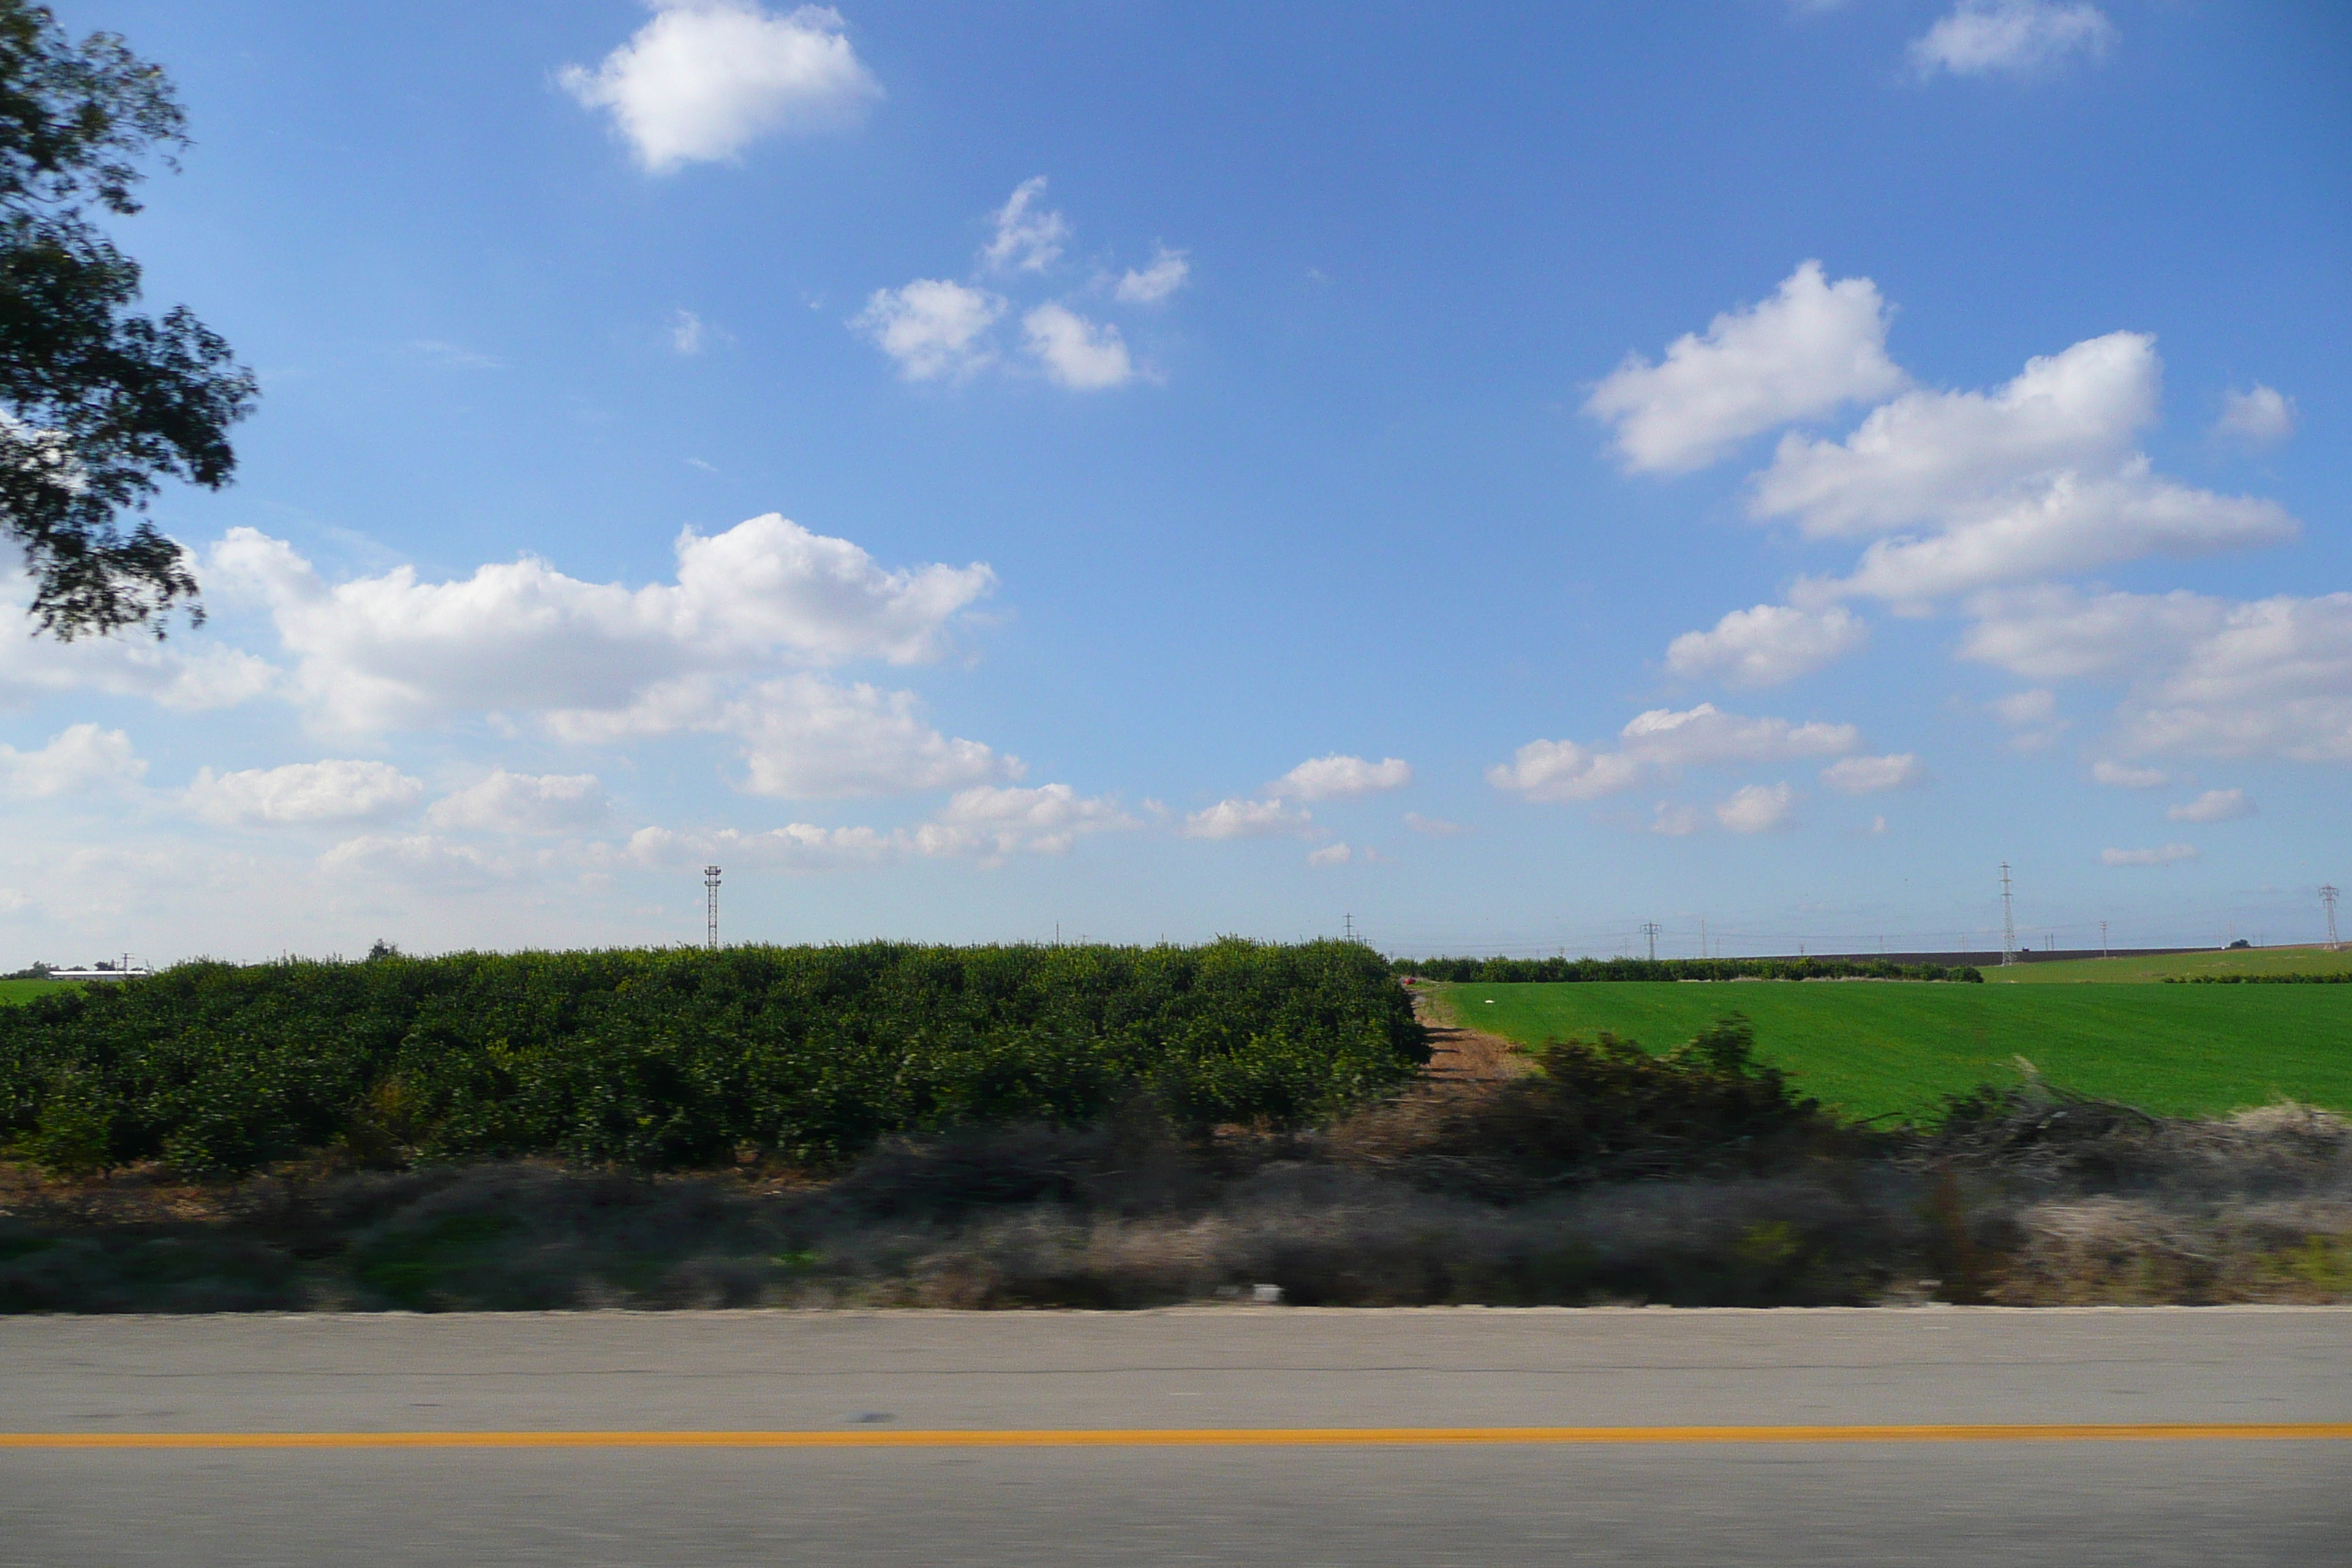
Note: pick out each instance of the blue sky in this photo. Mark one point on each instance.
(1503, 473)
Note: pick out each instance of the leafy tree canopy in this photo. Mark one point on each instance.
(98, 404)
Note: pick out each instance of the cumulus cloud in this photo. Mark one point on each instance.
(933, 328)
(1813, 347)
(1869, 775)
(1916, 458)
(2261, 416)
(2213, 806)
(688, 333)
(79, 759)
(300, 792)
(2205, 676)
(2121, 775)
(1331, 855)
(2037, 479)
(1169, 272)
(523, 638)
(984, 823)
(2073, 525)
(1767, 646)
(191, 673)
(1028, 238)
(704, 78)
(1758, 808)
(1662, 741)
(2163, 854)
(1240, 818)
(525, 802)
(1433, 826)
(1084, 355)
(2012, 38)
(1335, 777)
(1671, 821)
(806, 738)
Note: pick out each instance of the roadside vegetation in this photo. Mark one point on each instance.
(1086, 1127)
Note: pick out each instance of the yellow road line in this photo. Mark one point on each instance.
(1206, 1438)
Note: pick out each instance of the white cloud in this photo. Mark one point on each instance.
(1169, 272)
(809, 739)
(523, 638)
(330, 791)
(1246, 819)
(1660, 742)
(1563, 770)
(2119, 775)
(2013, 37)
(2051, 632)
(1813, 346)
(1766, 646)
(2214, 806)
(1331, 855)
(1433, 826)
(687, 333)
(1671, 821)
(1918, 457)
(2262, 416)
(1028, 239)
(1084, 355)
(2022, 707)
(2207, 676)
(704, 78)
(999, 822)
(2166, 854)
(2074, 525)
(1869, 775)
(1758, 808)
(525, 802)
(79, 759)
(1335, 777)
(985, 824)
(190, 673)
(932, 327)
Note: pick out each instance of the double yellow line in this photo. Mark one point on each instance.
(1212, 1436)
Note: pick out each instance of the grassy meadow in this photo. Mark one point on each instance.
(1878, 1047)
(2133, 969)
(26, 990)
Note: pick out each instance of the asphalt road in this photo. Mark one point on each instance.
(978, 1497)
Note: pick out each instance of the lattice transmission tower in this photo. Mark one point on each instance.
(2328, 896)
(710, 905)
(2007, 921)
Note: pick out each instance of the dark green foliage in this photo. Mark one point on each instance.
(1518, 971)
(2337, 977)
(97, 404)
(687, 1058)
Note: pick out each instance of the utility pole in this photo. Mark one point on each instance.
(2008, 923)
(2103, 941)
(2328, 896)
(1650, 929)
(710, 907)
(1702, 937)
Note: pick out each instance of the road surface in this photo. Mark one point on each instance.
(1227, 1435)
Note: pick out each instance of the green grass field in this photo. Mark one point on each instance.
(2140, 971)
(26, 990)
(1880, 1047)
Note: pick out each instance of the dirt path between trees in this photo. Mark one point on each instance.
(1458, 1055)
